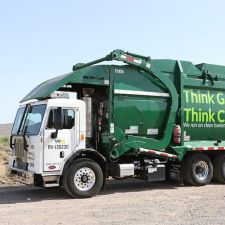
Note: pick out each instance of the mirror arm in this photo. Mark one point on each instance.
(54, 134)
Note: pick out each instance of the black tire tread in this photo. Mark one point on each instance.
(189, 177)
(186, 170)
(218, 175)
(69, 185)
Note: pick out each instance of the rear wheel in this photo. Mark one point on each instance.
(198, 169)
(84, 178)
(219, 168)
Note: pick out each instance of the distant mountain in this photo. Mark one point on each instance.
(5, 129)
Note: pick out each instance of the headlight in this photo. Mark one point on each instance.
(31, 155)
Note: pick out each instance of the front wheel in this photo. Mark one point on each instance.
(198, 169)
(84, 178)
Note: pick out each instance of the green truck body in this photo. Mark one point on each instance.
(160, 109)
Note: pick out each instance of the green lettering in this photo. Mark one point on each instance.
(194, 115)
(219, 116)
(187, 114)
(204, 98)
(205, 117)
(210, 98)
(211, 116)
(186, 95)
(194, 97)
(220, 100)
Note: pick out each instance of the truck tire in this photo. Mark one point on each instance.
(198, 169)
(83, 179)
(219, 168)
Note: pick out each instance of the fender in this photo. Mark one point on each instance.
(86, 153)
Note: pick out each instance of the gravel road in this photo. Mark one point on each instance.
(123, 202)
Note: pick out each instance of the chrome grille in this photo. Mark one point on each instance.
(19, 148)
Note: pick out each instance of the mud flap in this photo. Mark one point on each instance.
(175, 173)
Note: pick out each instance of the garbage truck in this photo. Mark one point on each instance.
(143, 118)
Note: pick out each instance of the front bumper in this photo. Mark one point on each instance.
(22, 176)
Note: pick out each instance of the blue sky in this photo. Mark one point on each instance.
(42, 39)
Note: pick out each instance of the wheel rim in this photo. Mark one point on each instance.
(201, 170)
(84, 179)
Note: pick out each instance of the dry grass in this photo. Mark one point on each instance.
(3, 161)
(5, 178)
(3, 156)
(4, 140)
(3, 149)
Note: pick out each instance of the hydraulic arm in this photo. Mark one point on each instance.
(159, 79)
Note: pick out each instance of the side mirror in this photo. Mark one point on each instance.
(58, 121)
(58, 118)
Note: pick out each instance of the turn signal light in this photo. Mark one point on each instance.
(82, 137)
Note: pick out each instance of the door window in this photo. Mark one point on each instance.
(68, 119)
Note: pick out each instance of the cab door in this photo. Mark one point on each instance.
(56, 149)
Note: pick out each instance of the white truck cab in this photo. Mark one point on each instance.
(48, 144)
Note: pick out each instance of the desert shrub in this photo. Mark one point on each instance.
(4, 140)
(3, 156)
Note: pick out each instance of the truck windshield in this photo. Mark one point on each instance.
(17, 123)
(34, 119)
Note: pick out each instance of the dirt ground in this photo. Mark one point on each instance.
(123, 202)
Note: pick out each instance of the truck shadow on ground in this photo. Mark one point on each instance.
(26, 194)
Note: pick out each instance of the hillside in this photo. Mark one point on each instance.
(5, 129)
